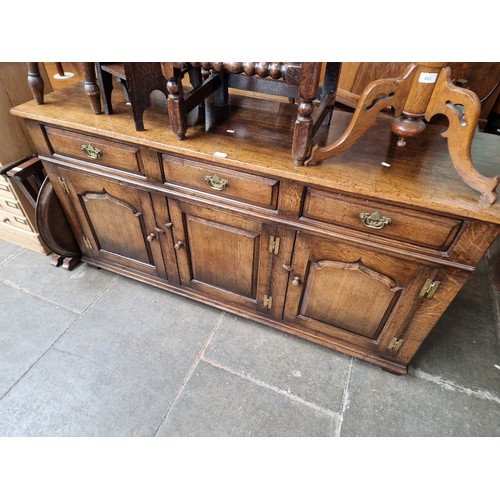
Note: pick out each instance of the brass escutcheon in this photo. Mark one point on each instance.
(215, 182)
(374, 220)
(91, 151)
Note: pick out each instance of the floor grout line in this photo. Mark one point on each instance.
(11, 256)
(453, 386)
(261, 383)
(191, 370)
(19, 288)
(38, 359)
(78, 318)
(345, 399)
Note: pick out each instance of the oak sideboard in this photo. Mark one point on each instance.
(362, 253)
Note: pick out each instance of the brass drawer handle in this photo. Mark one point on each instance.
(91, 151)
(374, 220)
(215, 182)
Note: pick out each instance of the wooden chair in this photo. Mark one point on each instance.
(293, 80)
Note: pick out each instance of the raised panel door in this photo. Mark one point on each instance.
(114, 223)
(221, 254)
(350, 293)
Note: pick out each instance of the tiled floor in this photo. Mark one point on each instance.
(91, 353)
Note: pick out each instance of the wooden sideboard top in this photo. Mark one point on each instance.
(256, 135)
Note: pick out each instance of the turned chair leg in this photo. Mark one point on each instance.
(91, 87)
(35, 82)
(175, 99)
(303, 129)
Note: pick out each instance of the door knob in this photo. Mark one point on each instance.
(151, 237)
(296, 281)
(178, 245)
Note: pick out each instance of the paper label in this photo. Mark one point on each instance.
(427, 77)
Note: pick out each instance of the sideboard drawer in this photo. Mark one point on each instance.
(427, 230)
(247, 188)
(94, 149)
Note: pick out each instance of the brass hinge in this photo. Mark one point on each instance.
(87, 243)
(395, 344)
(274, 245)
(429, 289)
(268, 301)
(64, 184)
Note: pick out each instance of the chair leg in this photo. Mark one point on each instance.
(35, 82)
(91, 87)
(221, 95)
(175, 99)
(303, 129)
(196, 79)
(105, 81)
(329, 90)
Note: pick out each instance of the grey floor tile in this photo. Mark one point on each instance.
(381, 404)
(217, 403)
(464, 346)
(28, 327)
(144, 334)
(75, 289)
(307, 370)
(7, 250)
(64, 395)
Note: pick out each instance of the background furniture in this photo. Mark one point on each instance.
(17, 211)
(293, 80)
(483, 78)
(422, 91)
(362, 254)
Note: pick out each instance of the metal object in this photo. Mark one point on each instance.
(429, 289)
(91, 151)
(274, 245)
(178, 245)
(296, 281)
(374, 220)
(64, 185)
(168, 224)
(287, 268)
(151, 237)
(395, 344)
(268, 301)
(215, 182)
(88, 244)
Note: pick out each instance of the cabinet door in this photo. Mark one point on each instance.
(112, 223)
(222, 255)
(345, 291)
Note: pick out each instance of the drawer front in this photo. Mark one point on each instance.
(12, 206)
(397, 223)
(14, 220)
(6, 190)
(247, 188)
(95, 149)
